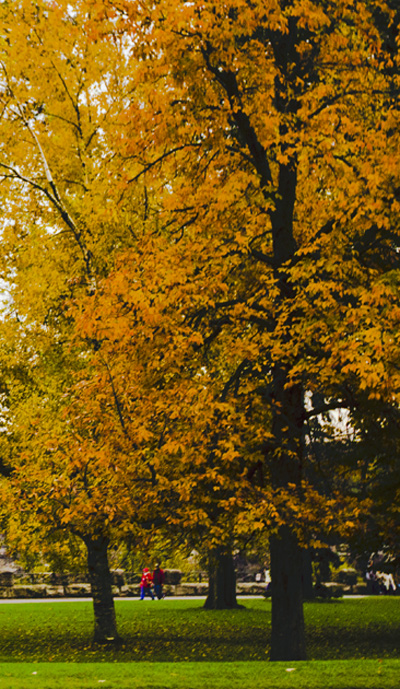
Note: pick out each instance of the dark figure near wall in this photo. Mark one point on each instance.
(158, 581)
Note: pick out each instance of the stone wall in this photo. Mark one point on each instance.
(127, 584)
(53, 585)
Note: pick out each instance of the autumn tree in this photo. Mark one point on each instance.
(61, 87)
(198, 442)
(268, 133)
(279, 125)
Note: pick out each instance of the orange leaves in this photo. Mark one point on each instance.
(158, 162)
(309, 15)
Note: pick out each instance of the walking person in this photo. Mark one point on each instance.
(158, 581)
(146, 584)
(372, 585)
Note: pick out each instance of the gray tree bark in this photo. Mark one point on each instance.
(221, 581)
(105, 625)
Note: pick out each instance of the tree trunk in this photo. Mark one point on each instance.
(105, 626)
(288, 634)
(221, 581)
(287, 630)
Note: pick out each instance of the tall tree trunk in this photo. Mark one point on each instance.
(105, 625)
(288, 634)
(287, 629)
(221, 581)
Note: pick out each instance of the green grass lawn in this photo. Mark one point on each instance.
(345, 674)
(172, 630)
(352, 644)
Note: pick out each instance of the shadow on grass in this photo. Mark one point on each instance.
(184, 631)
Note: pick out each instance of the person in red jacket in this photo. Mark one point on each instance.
(146, 584)
(158, 580)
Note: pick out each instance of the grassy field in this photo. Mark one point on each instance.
(336, 674)
(171, 630)
(352, 644)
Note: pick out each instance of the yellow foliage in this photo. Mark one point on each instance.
(200, 226)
